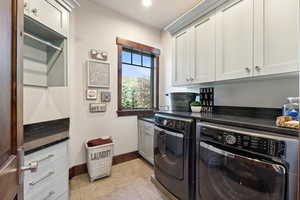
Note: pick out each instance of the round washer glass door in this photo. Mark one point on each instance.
(223, 175)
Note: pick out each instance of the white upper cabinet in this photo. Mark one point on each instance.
(276, 36)
(49, 13)
(183, 57)
(234, 40)
(205, 51)
(245, 38)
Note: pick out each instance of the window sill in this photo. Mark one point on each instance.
(139, 113)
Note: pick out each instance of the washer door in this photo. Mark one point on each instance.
(169, 152)
(223, 175)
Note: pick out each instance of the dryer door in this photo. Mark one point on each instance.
(223, 175)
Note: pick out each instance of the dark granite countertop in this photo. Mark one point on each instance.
(44, 134)
(148, 119)
(258, 123)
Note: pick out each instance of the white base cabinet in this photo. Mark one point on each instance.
(51, 180)
(145, 140)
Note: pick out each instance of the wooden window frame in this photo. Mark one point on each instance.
(155, 53)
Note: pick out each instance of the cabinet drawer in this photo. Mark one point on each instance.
(54, 188)
(51, 177)
(55, 165)
(39, 184)
(64, 197)
(50, 153)
(50, 13)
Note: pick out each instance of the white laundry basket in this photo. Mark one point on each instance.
(99, 160)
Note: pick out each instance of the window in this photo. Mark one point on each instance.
(138, 78)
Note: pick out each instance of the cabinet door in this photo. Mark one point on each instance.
(235, 40)
(182, 58)
(148, 137)
(276, 36)
(141, 144)
(205, 54)
(51, 14)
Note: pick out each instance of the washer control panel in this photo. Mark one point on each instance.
(251, 143)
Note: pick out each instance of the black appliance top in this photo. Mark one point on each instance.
(263, 119)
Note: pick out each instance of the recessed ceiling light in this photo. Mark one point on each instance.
(147, 3)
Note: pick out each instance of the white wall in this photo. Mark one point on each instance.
(271, 93)
(41, 104)
(93, 26)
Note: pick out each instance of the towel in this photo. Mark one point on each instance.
(98, 142)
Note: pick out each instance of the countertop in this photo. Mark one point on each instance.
(240, 121)
(41, 135)
(148, 119)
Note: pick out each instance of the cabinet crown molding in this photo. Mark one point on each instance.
(201, 9)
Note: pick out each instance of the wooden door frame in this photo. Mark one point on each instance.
(17, 81)
(10, 168)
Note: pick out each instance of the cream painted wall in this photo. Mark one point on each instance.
(93, 26)
(270, 93)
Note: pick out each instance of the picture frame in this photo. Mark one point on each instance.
(98, 74)
(91, 94)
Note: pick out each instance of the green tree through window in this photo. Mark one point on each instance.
(137, 80)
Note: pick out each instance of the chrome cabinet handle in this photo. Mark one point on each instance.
(258, 68)
(35, 11)
(35, 164)
(49, 195)
(40, 180)
(248, 69)
(46, 158)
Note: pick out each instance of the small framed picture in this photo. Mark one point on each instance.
(91, 94)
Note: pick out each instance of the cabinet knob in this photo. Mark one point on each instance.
(35, 11)
(191, 79)
(258, 68)
(25, 5)
(248, 69)
(187, 79)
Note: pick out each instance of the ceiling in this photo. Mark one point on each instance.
(159, 15)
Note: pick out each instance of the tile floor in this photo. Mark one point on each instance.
(129, 181)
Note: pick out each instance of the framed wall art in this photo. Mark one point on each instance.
(98, 74)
